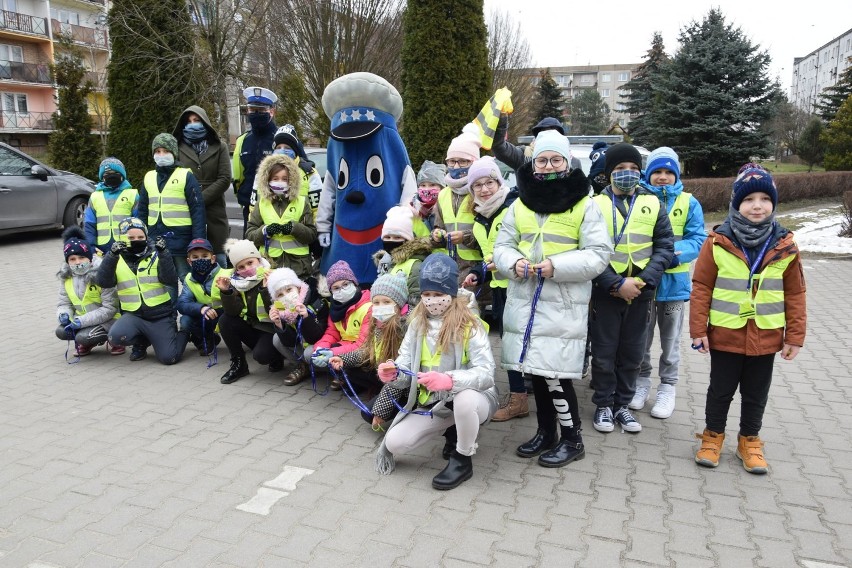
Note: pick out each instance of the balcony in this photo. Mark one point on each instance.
(11, 120)
(80, 34)
(97, 79)
(16, 22)
(25, 72)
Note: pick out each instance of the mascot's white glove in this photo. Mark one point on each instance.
(325, 240)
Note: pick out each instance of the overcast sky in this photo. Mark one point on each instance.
(566, 32)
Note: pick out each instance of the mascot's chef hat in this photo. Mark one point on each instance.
(359, 104)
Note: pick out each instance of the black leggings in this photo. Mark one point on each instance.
(237, 331)
(555, 399)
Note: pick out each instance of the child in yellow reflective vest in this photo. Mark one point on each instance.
(200, 303)
(85, 310)
(113, 200)
(747, 304)
(430, 181)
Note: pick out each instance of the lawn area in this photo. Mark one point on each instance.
(780, 168)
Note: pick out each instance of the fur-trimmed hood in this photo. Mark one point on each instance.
(262, 177)
(90, 276)
(419, 247)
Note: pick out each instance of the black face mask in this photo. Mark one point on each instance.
(389, 246)
(113, 180)
(138, 247)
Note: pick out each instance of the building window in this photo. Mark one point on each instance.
(624, 76)
(619, 107)
(604, 92)
(606, 77)
(9, 5)
(11, 53)
(586, 80)
(15, 102)
(65, 16)
(622, 122)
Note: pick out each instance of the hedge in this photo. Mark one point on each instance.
(714, 194)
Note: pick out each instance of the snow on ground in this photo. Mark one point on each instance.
(821, 236)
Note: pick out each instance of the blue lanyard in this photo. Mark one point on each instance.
(617, 239)
(757, 261)
(399, 407)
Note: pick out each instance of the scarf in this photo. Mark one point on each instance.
(337, 310)
(290, 316)
(199, 147)
(489, 206)
(551, 196)
(748, 234)
(459, 186)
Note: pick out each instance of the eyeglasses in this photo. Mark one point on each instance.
(457, 163)
(490, 184)
(555, 161)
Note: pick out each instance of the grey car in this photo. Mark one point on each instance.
(34, 196)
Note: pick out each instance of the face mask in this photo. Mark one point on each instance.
(437, 305)
(259, 120)
(201, 267)
(551, 175)
(285, 152)
(427, 196)
(164, 160)
(138, 247)
(289, 300)
(249, 272)
(384, 313)
(113, 180)
(344, 294)
(457, 173)
(194, 131)
(389, 246)
(80, 269)
(279, 187)
(625, 180)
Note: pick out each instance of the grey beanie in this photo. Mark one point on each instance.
(430, 172)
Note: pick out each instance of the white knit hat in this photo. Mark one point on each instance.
(239, 250)
(399, 223)
(281, 278)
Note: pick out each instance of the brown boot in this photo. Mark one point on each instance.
(517, 407)
(711, 448)
(750, 450)
(297, 375)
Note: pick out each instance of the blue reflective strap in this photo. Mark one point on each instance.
(753, 266)
(71, 334)
(314, 380)
(212, 359)
(353, 398)
(528, 330)
(617, 239)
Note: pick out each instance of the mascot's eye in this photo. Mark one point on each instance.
(343, 174)
(375, 171)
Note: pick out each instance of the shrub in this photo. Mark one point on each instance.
(846, 223)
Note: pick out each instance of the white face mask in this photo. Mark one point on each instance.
(437, 305)
(164, 160)
(345, 293)
(384, 313)
(279, 187)
(289, 299)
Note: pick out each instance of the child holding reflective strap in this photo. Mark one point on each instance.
(300, 316)
(747, 303)
(446, 365)
(282, 222)
(200, 303)
(86, 311)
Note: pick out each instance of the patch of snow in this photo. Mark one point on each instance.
(821, 236)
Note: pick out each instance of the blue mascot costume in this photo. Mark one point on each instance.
(368, 170)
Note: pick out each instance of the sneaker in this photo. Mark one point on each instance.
(711, 447)
(628, 423)
(665, 404)
(115, 349)
(517, 407)
(83, 351)
(640, 398)
(603, 419)
(138, 352)
(750, 451)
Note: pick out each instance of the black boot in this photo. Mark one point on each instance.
(459, 469)
(564, 453)
(239, 368)
(541, 442)
(451, 434)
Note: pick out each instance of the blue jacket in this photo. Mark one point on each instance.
(187, 303)
(177, 238)
(90, 221)
(678, 286)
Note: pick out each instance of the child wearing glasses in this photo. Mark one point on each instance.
(446, 366)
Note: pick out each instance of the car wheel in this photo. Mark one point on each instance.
(75, 212)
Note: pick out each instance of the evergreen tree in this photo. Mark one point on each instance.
(811, 148)
(149, 86)
(72, 146)
(589, 113)
(838, 139)
(713, 98)
(445, 73)
(832, 97)
(641, 96)
(550, 97)
(293, 102)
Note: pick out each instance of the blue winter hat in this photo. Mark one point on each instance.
(662, 158)
(553, 141)
(548, 123)
(439, 273)
(598, 158)
(752, 180)
(113, 164)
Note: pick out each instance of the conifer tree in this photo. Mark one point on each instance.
(550, 96)
(589, 113)
(445, 74)
(832, 97)
(838, 139)
(811, 147)
(641, 98)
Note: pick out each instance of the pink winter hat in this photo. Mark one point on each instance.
(399, 223)
(465, 146)
(340, 270)
(484, 167)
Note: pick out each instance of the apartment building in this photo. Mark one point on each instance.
(29, 32)
(818, 70)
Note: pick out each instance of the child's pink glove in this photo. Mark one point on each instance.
(387, 371)
(435, 381)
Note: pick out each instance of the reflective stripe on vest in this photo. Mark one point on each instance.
(432, 362)
(732, 294)
(170, 205)
(91, 298)
(486, 240)
(350, 331)
(108, 217)
(677, 217)
(461, 221)
(214, 299)
(636, 243)
(134, 288)
(559, 233)
(260, 311)
(279, 244)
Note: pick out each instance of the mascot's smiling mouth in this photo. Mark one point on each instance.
(364, 237)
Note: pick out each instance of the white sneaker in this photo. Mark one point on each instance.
(665, 404)
(603, 419)
(640, 398)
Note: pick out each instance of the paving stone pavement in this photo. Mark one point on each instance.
(111, 463)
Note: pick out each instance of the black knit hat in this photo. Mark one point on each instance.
(74, 243)
(619, 153)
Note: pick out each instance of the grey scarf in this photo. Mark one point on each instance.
(748, 234)
(199, 147)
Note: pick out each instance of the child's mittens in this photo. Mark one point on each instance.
(274, 229)
(64, 319)
(387, 371)
(118, 247)
(75, 324)
(160, 243)
(435, 381)
(286, 228)
(321, 357)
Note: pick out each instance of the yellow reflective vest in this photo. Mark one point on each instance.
(559, 233)
(486, 240)
(108, 217)
(279, 244)
(636, 244)
(169, 205)
(214, 299)
(432, 362)
(90, 301)
(260, 310)
(349, 327)
(677, 217)
(143, 285)
(461, 221)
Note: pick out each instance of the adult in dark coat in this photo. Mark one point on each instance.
(203, 152)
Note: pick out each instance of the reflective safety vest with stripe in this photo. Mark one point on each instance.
(279, 244)
(677, 217)
(486, 240)
(110, 215)
(134, 288)
(461, 221)
(260, 310)
(214, 299)
(733, 304)
(636, 244)
(404, 267)
(350, 327)
(418, 226)
(432, 361)
(559, 233)
(90, 301)
(170, 204)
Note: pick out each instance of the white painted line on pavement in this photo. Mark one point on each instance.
(262, 503)
(289, 478)
(818, 564)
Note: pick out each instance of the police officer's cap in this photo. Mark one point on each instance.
(259, 96)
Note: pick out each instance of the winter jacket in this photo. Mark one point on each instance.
(749, 339)
(187, 303)
(677, 285)
(661, 255)
(177, 238)
(312, 327)
(332, 335)
(251, 148)
(166, 274)
(90, 218)
(212, 169)
(416, 250)
(511, 155)
(304, 231)
(558, 341)
(103, 315)
(233, 305)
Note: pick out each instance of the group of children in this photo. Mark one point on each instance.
(556, 262)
